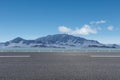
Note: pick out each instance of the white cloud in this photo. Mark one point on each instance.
(110, 28)
(64, 29)
(91, 28)
(98, 22)
(85, 30)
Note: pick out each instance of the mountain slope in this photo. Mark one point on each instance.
(55, 41)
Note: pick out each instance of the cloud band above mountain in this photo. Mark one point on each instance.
(91, 28)
(85, 30)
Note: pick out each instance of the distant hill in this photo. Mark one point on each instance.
(56, 41)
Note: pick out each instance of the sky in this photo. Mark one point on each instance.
(30, 19)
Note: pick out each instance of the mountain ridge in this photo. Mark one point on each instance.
(56, 41)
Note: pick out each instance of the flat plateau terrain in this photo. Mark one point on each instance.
(60, 66)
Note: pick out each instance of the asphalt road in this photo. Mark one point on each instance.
(60, 66)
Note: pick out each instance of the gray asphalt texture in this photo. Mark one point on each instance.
(59, 66)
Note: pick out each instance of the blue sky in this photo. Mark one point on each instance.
(30, 19)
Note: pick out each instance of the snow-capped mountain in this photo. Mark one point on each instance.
(55, 41)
